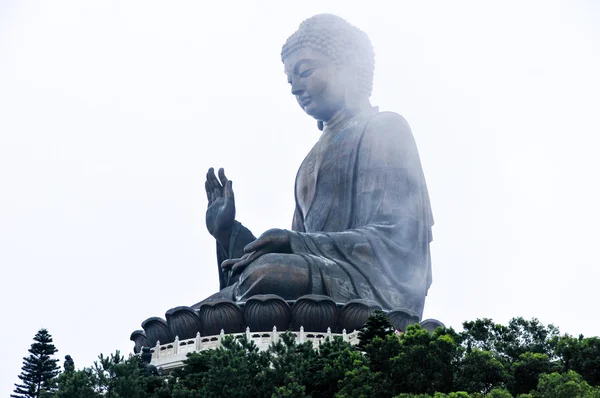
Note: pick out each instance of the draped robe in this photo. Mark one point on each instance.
(362, 223)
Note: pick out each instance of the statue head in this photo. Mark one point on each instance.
(329, 63)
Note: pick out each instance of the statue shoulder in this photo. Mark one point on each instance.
(389, 121)
(389, 126)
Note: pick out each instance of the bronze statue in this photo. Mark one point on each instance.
(361, 228)
(362, 224)
(69, 364)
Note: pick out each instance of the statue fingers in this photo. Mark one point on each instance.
(227, 264)
(269, 238)
(213, 179)
(216, 186)
(210, 186)
(228, 191)
(256, 244)
(246, 260)
(222, 176)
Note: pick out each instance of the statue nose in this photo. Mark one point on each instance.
(297, 89)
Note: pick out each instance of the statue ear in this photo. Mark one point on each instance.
(320, 125)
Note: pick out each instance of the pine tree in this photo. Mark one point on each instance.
(39, 370)
(377, 325)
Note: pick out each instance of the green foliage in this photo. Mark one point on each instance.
(116, 377)
(361, 382)
(581, 355)
(523, 336)
(480, 371)
(236, 369)
(328, 366)
(499, 393)
(292, 389)
(40, 368)
(377, 325)
(76, 384)
(565, 385)
(509, 342)
(523, 359)
(527, 370)
(426, 362)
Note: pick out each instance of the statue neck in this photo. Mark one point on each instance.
(344, 115)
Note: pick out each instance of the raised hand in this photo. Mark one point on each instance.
(220, 214)
(272, 241)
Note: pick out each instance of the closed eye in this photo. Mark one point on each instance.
(307, 72)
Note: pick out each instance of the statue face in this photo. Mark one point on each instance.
(317, 83)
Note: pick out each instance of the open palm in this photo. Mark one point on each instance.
(220, 214)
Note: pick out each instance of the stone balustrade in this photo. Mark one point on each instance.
(171, 355)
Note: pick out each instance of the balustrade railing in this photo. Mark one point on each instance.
(171, 355)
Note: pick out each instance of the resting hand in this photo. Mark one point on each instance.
(272, 241)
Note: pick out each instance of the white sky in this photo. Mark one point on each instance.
(111, 112)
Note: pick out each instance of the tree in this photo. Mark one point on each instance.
(581, 355)
(361, 382)
(329, 366)
(479, 362)
(236, 369)
(377, 325)
(509, 342)
(523, 336)
(114, 377)
(76, 384)
(527, 370)
(426, 363)
(565, 385)
(40, 368)
(480, 372)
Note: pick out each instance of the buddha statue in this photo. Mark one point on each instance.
(361, 229)
(362, 224)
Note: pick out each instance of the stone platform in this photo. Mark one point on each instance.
(260, 315)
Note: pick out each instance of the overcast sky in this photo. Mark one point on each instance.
(111, 112)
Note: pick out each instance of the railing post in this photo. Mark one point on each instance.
(274, 336)
(198, 342)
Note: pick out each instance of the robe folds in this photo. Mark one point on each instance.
(363, 218)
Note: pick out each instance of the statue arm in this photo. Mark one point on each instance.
(240, 236)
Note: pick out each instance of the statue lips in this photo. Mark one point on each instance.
(305, 101)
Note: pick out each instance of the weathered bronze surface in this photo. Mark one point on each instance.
(140, 340)
(362, 225)
(361, 229)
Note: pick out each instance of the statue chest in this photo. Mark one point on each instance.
(325, 177)
(306, 182)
